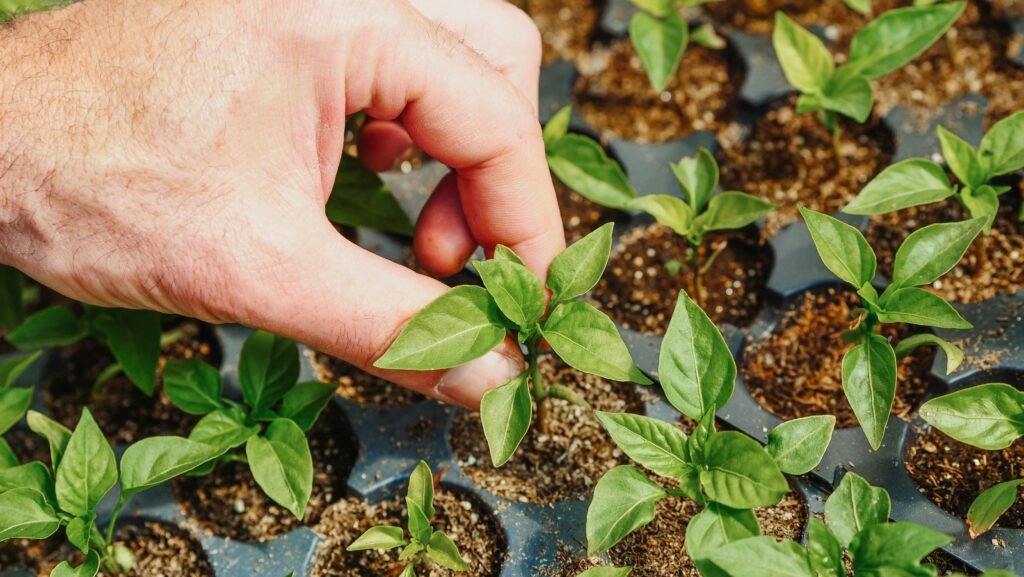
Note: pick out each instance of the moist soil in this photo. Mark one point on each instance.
(952, 474)
(580, 216)
(229, 503)
(758, 16)
(123, 412)
(28, 446)
(37, 557)
(469, 524)
(791, 159)
(361, 387)
(566, 450)
(160, 550)
(614, 95)
(797, 370)
(639, 291)
(993, 265)
(566, 26)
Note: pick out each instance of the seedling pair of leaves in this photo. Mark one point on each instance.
(917, 181)
(989, 417)
(467, 322)
(425, 545)
(727, 473)
(660, 36)
(361, 199)
(887, 43)
(272, 421)
(869, 368)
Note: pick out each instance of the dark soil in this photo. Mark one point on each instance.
(797, 370)
(37, 557)
(122, 411)
(580, 216)
(614, 95)
(566, 26)
(361, 387)
(953, 474)
(566, 451)
(469, 524)
(639, 291)
(758, 16)
(28, 446)
(949, 565)
(230, 504)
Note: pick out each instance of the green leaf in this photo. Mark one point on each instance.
(861, 6)
(824, 551)
(224, 428)
(79, 531)
(989, 416)
(893, 545)
(961, 158)
(798, 445)
(557, 126)
(929, 252)
(849, 94)
(156, 460)
(461, 325)
(587, 340)
(24, 515)
(917, 306)
(714, 527)
(869, 381)
(502, 252)
(578, 268)
(57, 435)
(282, 465)
(305, 401)
(379, 538)
(696, 369)
(134, 339)
(740, 473)
(706, 36)
(1002, 148)
(443, 552)
(842, 248)
(656, 7)
(418, 522)
(699, 438)
(652, 443)
(990, 505)
(582, 165)
(12, 306)
(87, 471)
(954, 354)
(606, 572)
(763, 557)
(854, 505)
(34, 476)
(698, 178)
(409, 571)
(905, 184)
(516, 290)
(982, 203)
(361, 198)
(12, 368)
(13, 404)
(898, 36)
(421, 489)
(8, 459)
(805, 60)
(411, 549)
(660, 42)
(267, 368)
(670, 211)
(624, 501)
(193, 386)
(90, 568)
(733, 210)
(506, 413)
(52, 327)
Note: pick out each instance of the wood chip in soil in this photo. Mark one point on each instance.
(229, 503)
(952, 474)
(758, 16)
(614, 95)
(361, 387)
(796, 371)
(790, 159)
(638, 292)
(566, 26)
(565, 452)
(580, 216)
(470, 525)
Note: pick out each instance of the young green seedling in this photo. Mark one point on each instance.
(14, 401)
(361, 199)
(918, 181)
(272, 421)
(832, 90)
(425, 546)
(989, 417)
(660, 35)
(727, 473)
(468, 321)
(869, 368)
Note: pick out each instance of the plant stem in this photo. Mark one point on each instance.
(697, 269)
(714, 256)
(538, 388)
(113, 521)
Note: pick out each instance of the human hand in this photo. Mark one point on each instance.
(185, 168)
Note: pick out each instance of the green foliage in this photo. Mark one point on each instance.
(660, 35)
(360, 198)
(11, 9)
(798, 445)
(12, 306)
(990, 416)
(990, 505)
(14, 401)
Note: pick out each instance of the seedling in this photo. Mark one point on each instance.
(830, 90)
(361, 199)
(660, 36)
(14, 401)
(989, 417)
(272, 421)
(917, 181)
(36, 501)
(869, 368)
(582, 165)
(727, 473)
(425, 545)
(468, 321)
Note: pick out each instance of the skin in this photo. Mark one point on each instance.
(176, 155)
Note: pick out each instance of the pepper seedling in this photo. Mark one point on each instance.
(917, 181)
(360, 198)
(660, 35)
(425, 545)
(832, 90)
(272, 421)
(726, 472)
(36, 501)
(990, 417)
(869, 368)
(467, 322)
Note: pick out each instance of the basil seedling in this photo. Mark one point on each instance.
(869, 368)
(360, 198)
(660, 36)
(727, 473)
(846, 89)
(425, 545)
(468, 321)
(272, 421)
(918, 181)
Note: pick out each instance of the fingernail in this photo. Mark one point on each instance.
(465, 385)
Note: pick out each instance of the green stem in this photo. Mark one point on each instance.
(170, 337)
(113, 521)
(698, 282)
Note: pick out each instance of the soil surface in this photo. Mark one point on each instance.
(639, 290)
(229, 503)
(791, 159)
(580, 216)
(797, 370)
(470, 525)
(28, 446)
(950, 565)
(123, 412)
(614, 94)
(361, 387)
(37, 557)
(566, 450)
(566, 26)
(953, 474)
(758, 16)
